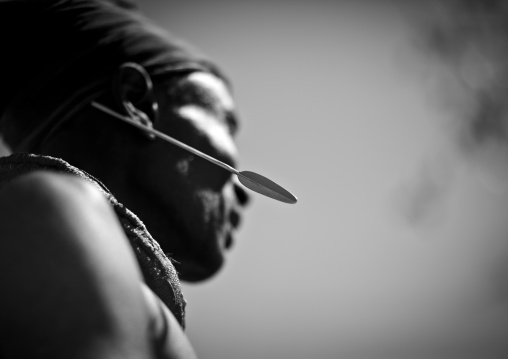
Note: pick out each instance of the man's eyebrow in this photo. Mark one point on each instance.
(212, 104)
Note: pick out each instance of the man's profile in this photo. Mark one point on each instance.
(99, 222)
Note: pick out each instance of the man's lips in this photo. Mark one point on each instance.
(235, 219)
(228, 243)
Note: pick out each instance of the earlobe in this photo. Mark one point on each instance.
(139, 117)
(133, 93)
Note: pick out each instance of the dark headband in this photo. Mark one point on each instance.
(58, 55)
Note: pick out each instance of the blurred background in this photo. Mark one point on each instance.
(386, 119)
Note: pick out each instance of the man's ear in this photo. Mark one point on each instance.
(133, 92)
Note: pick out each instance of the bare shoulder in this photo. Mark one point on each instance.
(51, 201)
(59, 232)
(60, 236)
(48, 188)
(46, 212)
(52, 214)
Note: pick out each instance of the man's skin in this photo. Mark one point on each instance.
(71, 284)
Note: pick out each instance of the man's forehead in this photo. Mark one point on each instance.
(214, 85)
(207, 91)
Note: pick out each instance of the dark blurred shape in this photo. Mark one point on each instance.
(471, 38)
(422, 200)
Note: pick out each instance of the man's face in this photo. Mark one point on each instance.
(190, 206)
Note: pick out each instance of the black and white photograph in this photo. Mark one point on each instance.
(233, 179)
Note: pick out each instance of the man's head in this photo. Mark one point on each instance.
(190, 206)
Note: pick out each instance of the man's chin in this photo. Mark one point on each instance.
(195, 271)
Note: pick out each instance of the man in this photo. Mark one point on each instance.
(81, 276)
